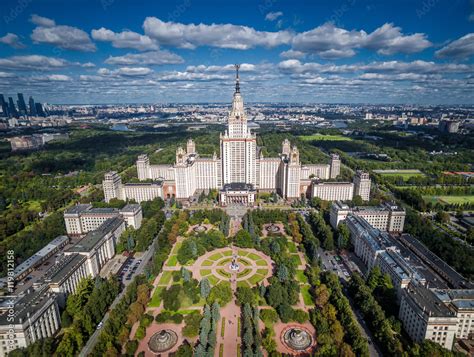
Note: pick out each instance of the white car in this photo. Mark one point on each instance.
(99, 325)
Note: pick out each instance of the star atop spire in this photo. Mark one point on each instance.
(237, 80)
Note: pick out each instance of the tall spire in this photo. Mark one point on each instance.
(237, 80)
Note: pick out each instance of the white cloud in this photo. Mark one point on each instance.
(331, 42)
(12, 40)
(42, 21)
(292, 54)
(461, 48)
(7, 75)
(125, 39)
(126, 71)
(66, 37)
(272, 16)
(33, 62)
(244, 67)
(160, 57)
(88, 65)
(215, 35)
(388, 40)
(58, 78)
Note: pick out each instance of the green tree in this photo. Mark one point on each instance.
(205, 288)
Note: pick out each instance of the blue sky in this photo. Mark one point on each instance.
(339, 51)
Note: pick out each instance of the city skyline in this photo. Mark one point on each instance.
(112, 52)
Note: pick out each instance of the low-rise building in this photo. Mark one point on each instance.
(333, 191)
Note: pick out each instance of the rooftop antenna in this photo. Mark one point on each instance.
(237, 80)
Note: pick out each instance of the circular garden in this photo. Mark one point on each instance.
(254, 266)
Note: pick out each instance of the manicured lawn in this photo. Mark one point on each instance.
(307, 298)
(254, 279)
(322, 137)
(207, 263)
(215, 257)
(227, 253)
(243, 283)
(205, 272)
(296, 258)
(176, 248)
(165, 278)
(253, 256)
(301, 277)
(261, 262)
(156, 298)
(242, 253)
(244, 273)
(292, 247)
(450, 199)
(223, 327)
(243, 261)
(224, 261)
(213, 280)
(172, 261)
(221, 349)
(223, 273)
(262, 271)
(405, 174)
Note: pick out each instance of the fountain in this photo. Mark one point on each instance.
(199, 229)
(297, 339)
(272, 228)
(234, 266)
(162, 341)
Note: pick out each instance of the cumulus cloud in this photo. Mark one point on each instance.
(292, 54)
(294, 66)
(125, 39)
(389, 39)
(272, 16)
(244, 67)
(58, 78)
(126, 71)
(33, 62)
(215, 35)
(88, 65)
(66, 37)
(159, 57)
(462, 48)
(12, 40)
(42, 21)
(331, 42)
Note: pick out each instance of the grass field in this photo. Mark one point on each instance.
(156, 298)
(301, 277)
(307, 298)
(405, 174)
(165, 278)
(449, 199)
(322, 137)
(172, 261)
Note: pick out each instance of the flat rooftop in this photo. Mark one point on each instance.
(428, 301)
(94, 237)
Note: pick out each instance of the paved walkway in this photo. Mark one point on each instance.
(231, 314)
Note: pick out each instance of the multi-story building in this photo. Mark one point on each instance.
(386, 217)
(242, 166)
(424, 316)
(32, 317)
(362, 185)
(98, 246)
(333, 191)
(428, 308)
(83, 218)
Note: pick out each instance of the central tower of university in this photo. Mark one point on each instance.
(238, 144)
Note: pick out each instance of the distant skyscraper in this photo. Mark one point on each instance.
(39, 110)
(21, 104)
(4, 106)
(32, 107)
(12, 108)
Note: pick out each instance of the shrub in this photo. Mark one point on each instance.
(141, 332)
(269, 316)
